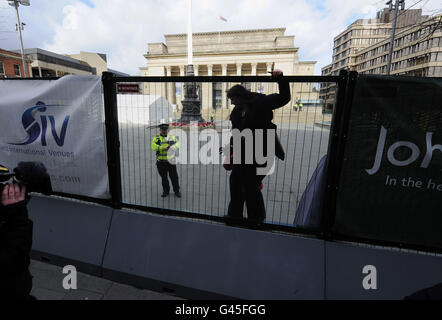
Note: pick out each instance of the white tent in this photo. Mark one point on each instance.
(143, 109)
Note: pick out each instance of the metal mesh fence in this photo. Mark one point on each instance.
(302, 127)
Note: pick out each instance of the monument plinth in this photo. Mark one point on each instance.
(192, 101)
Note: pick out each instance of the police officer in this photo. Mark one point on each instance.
(298, 106)
(165, 146)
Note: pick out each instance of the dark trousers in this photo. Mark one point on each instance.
(164, 168)
(16, 287)
(244, 186)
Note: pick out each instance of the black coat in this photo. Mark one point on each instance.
(260, 113)
(15, 246)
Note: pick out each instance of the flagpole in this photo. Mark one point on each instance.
(189, 38)
(219, 31)
(192, 98)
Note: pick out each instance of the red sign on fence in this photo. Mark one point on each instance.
(128, 88)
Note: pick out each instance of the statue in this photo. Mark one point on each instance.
(192, 101)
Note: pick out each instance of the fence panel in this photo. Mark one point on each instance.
(303, 132)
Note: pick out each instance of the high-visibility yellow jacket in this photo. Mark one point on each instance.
(162, 144)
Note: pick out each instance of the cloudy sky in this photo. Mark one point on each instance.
(122, 28)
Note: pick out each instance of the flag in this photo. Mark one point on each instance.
(223, 19)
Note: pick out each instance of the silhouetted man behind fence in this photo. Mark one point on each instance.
(253, 111)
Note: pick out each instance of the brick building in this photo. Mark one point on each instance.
(11, 64)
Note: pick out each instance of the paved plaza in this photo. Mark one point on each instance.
(205, 188)
(48, 285)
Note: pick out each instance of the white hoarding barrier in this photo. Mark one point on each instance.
(59, 123)
(140, 109)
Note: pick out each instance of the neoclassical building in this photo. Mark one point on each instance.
(227, 53)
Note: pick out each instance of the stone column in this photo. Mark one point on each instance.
(170, 86)
(269, 85)
(254, 67)
(182, 69)
(238, 69)
(224, 93)
(182, 74)
(39, 72)
(157, 88)
(210, 88)
(195, 70)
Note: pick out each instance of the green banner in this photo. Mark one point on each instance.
(390, 187)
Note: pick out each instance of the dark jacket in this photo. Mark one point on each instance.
(260, 113)
(15, 246)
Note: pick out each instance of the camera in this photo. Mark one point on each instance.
(33, 175)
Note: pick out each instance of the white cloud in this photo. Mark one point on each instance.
(369, 11)
(40, 17)
(70, 21)
(122, 29)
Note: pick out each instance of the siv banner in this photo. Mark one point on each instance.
(390, 187)
(59, 123)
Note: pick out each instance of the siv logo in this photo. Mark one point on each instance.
(32, 126)
(415, 152)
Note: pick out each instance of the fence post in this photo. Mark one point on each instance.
(112, 138)
(336, 148)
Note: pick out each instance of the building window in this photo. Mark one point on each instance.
(217, 95)
(178, 89)
(2, 69)
(17, 70)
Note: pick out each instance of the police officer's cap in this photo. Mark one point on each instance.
(164, 126)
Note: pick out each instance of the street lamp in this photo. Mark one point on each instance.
(16, 3)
